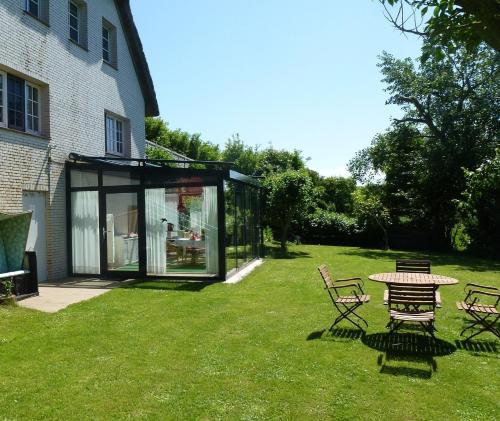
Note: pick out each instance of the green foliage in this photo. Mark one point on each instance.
(335, 193)
(245, 158)
(157, 153)
(328, 227)
(369, 209)
(190, 145)
(480, 207)
(449, 23)
(6, 287)
(288, 197)
(268, 235)
(450, 123)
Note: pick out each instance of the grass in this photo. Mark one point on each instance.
(253, 350)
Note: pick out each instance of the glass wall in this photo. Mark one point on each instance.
(242, 224)
(182, 235)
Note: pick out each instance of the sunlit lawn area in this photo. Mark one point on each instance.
(254, 350)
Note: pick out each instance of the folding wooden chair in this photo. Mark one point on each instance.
(413, 266)
(345, 304)
(484, 315)
(412, 303)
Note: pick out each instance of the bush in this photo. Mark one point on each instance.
(327, 227)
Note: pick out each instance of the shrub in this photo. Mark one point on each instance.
(327, 227)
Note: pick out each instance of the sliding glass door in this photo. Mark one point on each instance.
(121, 232)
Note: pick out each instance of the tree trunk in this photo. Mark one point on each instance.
(284, 236)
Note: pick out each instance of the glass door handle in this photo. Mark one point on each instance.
(104, 233)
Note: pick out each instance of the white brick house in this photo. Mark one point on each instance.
(73, 78)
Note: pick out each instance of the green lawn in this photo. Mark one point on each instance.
(254, 350)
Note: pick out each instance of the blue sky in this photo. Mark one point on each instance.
(294, 73)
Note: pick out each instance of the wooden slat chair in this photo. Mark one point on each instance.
(413, 266)
(412, 303)
(484, 315)
(345, 304)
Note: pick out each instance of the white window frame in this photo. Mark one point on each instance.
(27, 115)
(77, 17)
(27, 7)
(108, 39)
(3, 95)
(115, 135)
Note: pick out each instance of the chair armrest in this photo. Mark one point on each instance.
(470, 284)
(335, 286)
(491, 294)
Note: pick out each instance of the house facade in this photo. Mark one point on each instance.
(73, 79)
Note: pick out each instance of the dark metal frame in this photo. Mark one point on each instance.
(215, 173)
(487, 321)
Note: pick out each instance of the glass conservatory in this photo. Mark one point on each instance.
(158, 218)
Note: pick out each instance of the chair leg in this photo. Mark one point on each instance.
(487, 326)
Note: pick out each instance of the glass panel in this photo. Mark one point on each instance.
(164, 178)
(119, 178)
(122, 239)
(1, 97)
(182, 230)
(85, 232)
(229, 197)
(33, 7)
(15, 102)
(240, 224)
(84, 178)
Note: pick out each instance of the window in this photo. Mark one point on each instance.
(20, 104)
(32, 109)
(33, 7)
(3, 99)
(74, 22)
(38, 9)
(114, 136)
(77, 22)
(15, 102)
(109, 43)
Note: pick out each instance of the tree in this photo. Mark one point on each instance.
(245, 158)
(369, 208)
(447, 22)
(190, 145)
(336, 193)
(288, 196)
(449, 123)
(480, 206)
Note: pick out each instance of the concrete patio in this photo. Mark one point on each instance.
(55, 296)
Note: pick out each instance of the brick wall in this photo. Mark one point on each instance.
(77, 89)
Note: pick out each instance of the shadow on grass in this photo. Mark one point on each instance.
(408, 344)
(417, 366)
(464, 261)
(277, 253)
(478, 347)
(340, 333)
(192, 286)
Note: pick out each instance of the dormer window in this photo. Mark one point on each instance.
(109, 43)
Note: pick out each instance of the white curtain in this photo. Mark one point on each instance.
(85, 232)
(156, 231)
(210, 223)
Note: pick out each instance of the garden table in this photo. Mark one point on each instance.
(412, 278)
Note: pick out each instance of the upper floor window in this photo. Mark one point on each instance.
(74, 22)
(20, 104)
(3, 99)
(115, 143)
(109, 43)
(38, 8)
(77, 20)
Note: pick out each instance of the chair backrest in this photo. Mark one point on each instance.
(412, 296)
(327, 277)
(413, 266)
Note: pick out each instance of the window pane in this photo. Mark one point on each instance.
(119, 178)
(73, 33)
(33, 7)
(1, 98)
(85, 232)
(73, 9)
(184, 221)
(15, 102)
(83, 178)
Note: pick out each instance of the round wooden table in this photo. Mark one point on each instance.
(412, 278)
